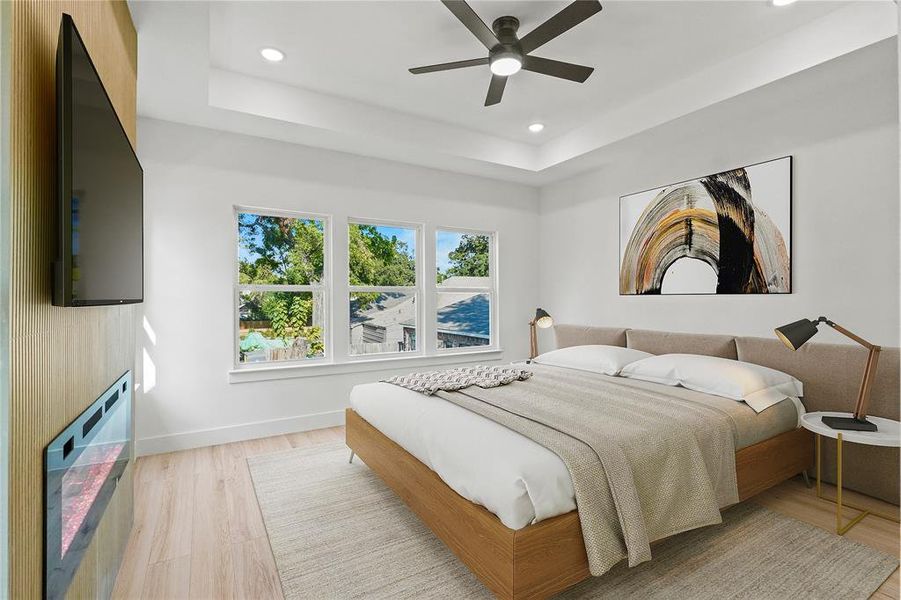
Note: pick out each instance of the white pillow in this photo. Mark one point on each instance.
(608, 360)
(760, 387)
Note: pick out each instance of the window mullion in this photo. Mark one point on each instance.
(381, 289)
(340, 289)
(463, 290)
(430, 316)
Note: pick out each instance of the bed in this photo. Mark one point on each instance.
(517, 479)
(511, 519)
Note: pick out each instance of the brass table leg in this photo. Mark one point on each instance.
(819, 438)
(839, 528)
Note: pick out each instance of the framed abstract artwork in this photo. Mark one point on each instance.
(728, 233)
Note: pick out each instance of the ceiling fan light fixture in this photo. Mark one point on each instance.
(506, 65)
(272, 54)
(508, 53)
(536, 127)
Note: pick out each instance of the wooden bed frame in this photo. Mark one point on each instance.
(548, 557)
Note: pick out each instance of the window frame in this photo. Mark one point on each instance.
(416, 290)
(336, 289)
(491, 290)
(324, 287)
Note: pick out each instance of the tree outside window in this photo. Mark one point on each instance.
(281, 289)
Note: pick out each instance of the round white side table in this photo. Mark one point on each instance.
(888, 433)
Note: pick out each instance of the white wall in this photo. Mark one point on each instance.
(193, 178)
(840, 123)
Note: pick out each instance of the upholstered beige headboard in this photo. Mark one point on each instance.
(830, 372)
(580, 335)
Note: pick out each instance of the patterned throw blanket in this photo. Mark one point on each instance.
(456, 379)
(645, 465)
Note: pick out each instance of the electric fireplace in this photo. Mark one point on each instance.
(82, 467)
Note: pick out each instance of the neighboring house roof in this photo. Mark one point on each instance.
(244, 310)
(469, 316)
(391, 308)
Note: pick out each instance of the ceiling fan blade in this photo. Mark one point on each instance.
(555, 68)
(495, 90)
(460, 64)
(471, 20)
(560, 23)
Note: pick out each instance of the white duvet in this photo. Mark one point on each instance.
(519, 480)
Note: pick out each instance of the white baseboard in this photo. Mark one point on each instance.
(236, 433)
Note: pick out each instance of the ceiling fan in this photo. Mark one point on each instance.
(507, 53)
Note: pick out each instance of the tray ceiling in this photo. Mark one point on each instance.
(344, 83)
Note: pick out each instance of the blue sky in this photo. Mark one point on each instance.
(408, 236)
(446, 242)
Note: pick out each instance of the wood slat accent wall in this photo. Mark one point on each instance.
(61, 359)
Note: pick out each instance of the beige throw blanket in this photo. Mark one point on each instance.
(644, 465)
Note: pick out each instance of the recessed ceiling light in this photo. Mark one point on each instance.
(783, 2)
(272, 54)
(536, 127)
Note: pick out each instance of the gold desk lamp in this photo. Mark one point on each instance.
(543, 320)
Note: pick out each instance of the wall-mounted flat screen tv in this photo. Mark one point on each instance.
(100, 257)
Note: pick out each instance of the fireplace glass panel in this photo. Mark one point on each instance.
(82, 468)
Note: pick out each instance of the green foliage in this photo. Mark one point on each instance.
(469, 259)
(299, 312)
(275, 306)
(314, 339)
(288, 313)
(377, 260)
(280, 250)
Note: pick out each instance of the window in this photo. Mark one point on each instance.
(383, 293)
(281, 288)
(286, 299)
(465, 289)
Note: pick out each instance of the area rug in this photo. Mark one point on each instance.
(338, 532)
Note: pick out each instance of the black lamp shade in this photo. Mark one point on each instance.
(542, 319)
(794, 335)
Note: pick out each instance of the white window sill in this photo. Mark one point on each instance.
(274, 371)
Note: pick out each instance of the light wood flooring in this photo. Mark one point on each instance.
(198, 532)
